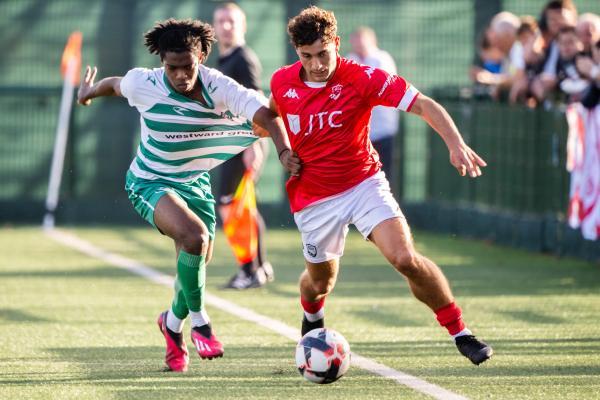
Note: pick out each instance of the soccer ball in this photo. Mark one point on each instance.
(323, 356)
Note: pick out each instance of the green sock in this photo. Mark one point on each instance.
(179, 306)
(191, 274)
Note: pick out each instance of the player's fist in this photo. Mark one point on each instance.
(290, 161)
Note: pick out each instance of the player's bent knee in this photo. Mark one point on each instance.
(194, 240)
(407, 263)
(323, 287)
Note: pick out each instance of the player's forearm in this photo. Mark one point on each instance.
(270, 121)
(106, 87)
(439, 119)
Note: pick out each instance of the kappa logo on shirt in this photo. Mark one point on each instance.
(336, 91)
(369, 71)
(291, 93)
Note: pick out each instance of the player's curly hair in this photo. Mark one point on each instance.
(311, 24)
(179, 36)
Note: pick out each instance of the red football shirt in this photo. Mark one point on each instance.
(328, 127)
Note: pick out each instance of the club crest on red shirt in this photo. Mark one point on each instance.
(336, 91)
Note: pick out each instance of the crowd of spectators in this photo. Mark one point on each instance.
(540, 61)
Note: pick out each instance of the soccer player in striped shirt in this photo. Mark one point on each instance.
(192, 118)
(326, 101)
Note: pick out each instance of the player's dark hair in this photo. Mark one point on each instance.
(173, 35)
(311, 24)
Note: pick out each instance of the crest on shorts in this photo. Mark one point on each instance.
(311, 249)
(294, 123)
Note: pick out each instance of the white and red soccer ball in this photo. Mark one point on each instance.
(323, 356)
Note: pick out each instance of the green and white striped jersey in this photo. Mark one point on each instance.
(183, 138)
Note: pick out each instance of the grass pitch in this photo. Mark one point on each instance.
(76, 327)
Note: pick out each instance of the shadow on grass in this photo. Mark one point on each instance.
(100, 272)
(114, 364)
(120, 366)
(14, 315)
(140, 239)
(533, 317)
(387, 318)
(525, 347)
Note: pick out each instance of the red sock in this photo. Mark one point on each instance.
(450, 317)
(312, 307)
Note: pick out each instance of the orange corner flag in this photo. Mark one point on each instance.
(72, 53)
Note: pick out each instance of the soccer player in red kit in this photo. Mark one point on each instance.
(326, 101)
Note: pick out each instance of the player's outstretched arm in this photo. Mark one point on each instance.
(105, 87)
(272, 123)
(462, 157)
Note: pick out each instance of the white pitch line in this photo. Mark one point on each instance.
(140, 269)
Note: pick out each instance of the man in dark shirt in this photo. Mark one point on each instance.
(240, 63)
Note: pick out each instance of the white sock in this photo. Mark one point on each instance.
(173, 323)
(464, 332)
(316, 316)
(199, 318)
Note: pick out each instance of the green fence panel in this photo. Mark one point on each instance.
(525, 151)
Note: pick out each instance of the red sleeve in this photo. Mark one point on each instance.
(276, 82)
(380, 88)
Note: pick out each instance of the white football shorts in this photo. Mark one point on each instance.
(324, 225)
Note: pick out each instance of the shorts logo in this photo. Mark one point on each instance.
(311, 250)
(294, 123)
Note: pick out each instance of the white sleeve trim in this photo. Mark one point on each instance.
(254, 105)
(125, 85)
(408, 98)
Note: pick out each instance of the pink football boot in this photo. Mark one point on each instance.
(177, 356)
(207, 347)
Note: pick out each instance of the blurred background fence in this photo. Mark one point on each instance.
(521, 200)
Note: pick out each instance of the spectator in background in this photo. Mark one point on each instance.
(499, 40)
(384, 120)
(530, 43)
(569, 80)
(589, 67)
(556, 15)
(588, 31)
(491, 57)
(239, 62)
